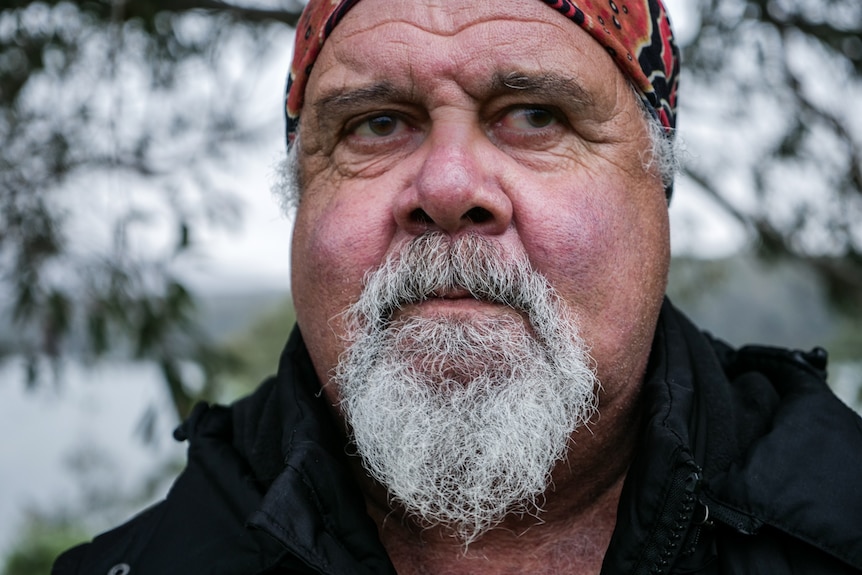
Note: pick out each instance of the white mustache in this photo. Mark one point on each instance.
(434, 264)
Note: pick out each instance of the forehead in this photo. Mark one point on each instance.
(446, 17)
(378, 39)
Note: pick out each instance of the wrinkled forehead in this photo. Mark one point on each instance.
(636, 33)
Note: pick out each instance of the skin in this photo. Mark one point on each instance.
(408, 126)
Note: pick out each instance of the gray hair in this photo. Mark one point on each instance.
(287, 187)
(662, 157)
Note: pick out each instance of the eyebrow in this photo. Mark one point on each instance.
(552, 85)
(548, 83)
(339, 101)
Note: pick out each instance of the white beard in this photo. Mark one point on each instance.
(463, 420)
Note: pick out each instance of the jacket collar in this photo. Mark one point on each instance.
(313, 506)
(658, 503)
(315, 509)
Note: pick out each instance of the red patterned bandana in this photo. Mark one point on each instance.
(636, 33)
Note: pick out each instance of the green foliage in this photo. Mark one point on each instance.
(257, 349)
(101, 503)
(41, 543)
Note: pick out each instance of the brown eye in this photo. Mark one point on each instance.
(528, 118)
(538, 118)
(379, 126)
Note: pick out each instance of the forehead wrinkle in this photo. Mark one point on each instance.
(445, 25)
(449, 25)
(511, 79)
(473, 22)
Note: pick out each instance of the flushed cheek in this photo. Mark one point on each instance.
(571, 248)
(333, 252)
(333, 248)
(608, 266)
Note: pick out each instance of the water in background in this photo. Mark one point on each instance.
(77, 440)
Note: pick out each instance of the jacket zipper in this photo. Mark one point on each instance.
(683, 519)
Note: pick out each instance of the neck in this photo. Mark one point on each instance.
(570, 535)
(563, 544)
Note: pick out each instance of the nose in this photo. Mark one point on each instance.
(456, 189)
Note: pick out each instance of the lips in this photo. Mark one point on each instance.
(452, 293)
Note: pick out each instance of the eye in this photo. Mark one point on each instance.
(379, 126)
(528, 118)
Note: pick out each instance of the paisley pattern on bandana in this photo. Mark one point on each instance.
(636, 33)
(638, 36)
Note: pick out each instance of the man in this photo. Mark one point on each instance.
(486, 377)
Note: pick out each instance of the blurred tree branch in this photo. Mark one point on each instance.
(94, 123)
(148, 9)
(763, 56)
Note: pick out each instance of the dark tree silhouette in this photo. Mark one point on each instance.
(122, 111)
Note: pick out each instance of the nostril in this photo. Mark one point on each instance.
(478, 215)
(475, 216)
(420, 216)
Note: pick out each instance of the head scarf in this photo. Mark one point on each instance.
(636, 33)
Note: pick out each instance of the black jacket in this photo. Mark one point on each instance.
(747, 464)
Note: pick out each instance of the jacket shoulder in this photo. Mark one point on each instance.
(798, 475)
(109, 552)
(780, 364)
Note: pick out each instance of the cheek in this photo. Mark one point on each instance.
(586, 237)
(606, 252)
(573, 245)
(333, 247)
(331, 253)
(566, 232)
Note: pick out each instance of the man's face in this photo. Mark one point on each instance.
(501, 119)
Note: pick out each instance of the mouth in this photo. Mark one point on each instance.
(454, 302)
(452, 294)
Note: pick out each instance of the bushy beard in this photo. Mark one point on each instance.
(463, 419)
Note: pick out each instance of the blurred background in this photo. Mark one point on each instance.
(144, 260)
